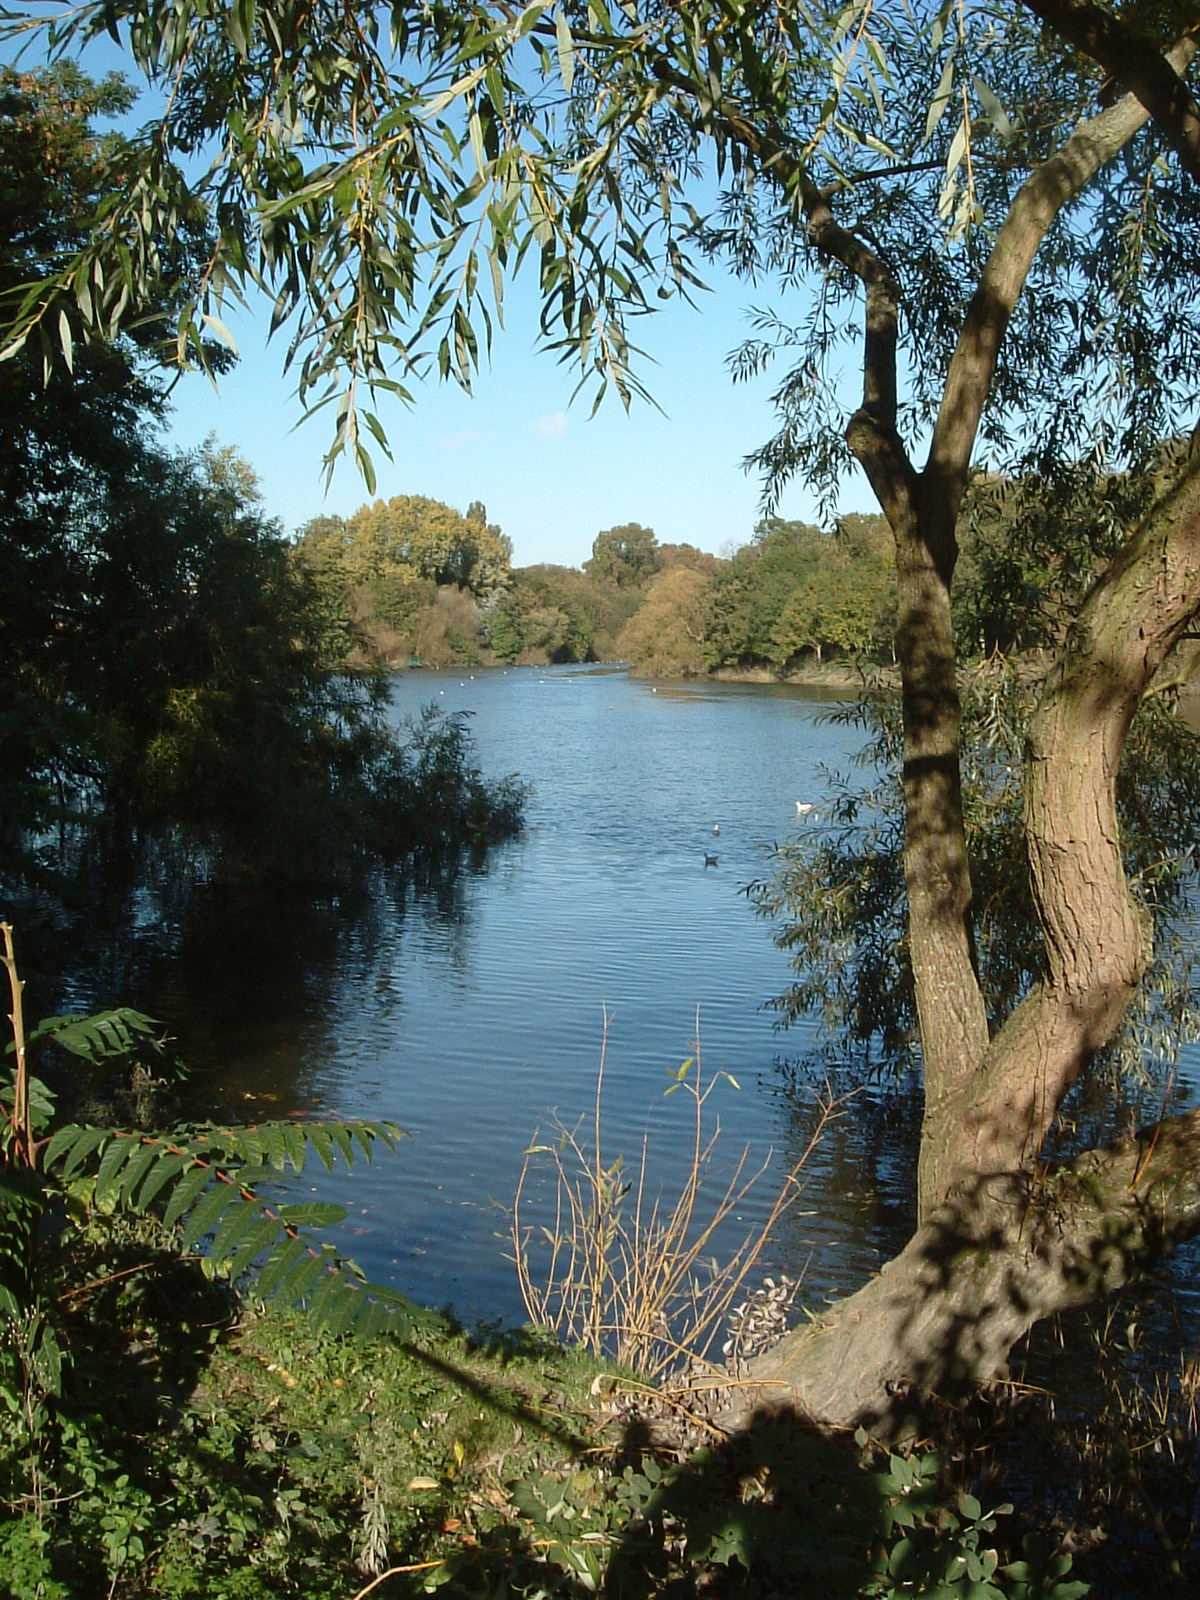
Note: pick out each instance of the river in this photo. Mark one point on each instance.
(474, 1014)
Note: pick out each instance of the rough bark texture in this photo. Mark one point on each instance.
(1006, 1245)
(1097, 938)
(998, 1247)
(941, 1318)
(1136, 64)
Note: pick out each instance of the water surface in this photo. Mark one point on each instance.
(475, 1012)
(473, 1017)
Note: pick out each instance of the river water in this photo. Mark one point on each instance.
(476, 1013)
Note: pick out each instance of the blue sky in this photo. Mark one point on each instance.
(551, 475)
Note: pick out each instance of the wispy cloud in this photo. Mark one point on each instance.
(455, 441)
(551, 427)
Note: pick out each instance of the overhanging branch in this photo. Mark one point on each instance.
(1038, 202)
(1134, 63)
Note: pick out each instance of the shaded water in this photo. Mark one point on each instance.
(471, 1012)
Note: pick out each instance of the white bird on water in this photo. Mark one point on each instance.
(804, 808)
(716, 829)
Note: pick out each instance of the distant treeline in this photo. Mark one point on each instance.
(422, 583)
(416, 582)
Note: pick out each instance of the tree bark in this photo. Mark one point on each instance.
(1008, 1243)
(941, 1318)
(998, 1245)
(1133, 62)
(1096, 936)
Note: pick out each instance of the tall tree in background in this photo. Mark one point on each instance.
(626, 556)
(1014, 206)
(410, 538)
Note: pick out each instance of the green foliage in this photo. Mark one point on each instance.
(170, 669)
(553, 613)
(667, 636)
(1032, 546)
(775, 1510)
(408, 537)
(415, 575)
(435, 795)
(627, 556)
(385, 182)
(795, 589)
(155, 1440)
(206, 1183)
(192, 1197)
(203, 1182)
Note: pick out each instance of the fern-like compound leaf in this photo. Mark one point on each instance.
(205, 1181)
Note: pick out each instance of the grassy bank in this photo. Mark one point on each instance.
(206, 1448)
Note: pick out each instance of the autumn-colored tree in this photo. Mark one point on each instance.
(666, 637)
(627, 556)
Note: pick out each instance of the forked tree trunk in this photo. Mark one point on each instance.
(941, 1318)
(1009, 1242)
(1002, 1243)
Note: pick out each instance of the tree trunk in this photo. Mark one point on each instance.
(1009, 1243)
(942, 1317)
(999, 1245)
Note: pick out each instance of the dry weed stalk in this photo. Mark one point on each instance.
(628, 1275)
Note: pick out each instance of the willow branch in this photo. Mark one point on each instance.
(1033, 211)
(1134, 63)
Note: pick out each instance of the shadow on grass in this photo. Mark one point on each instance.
(776, 1509)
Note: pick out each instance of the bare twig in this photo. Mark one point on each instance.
(627, 1272)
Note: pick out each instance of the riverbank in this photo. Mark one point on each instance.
(850, 676)
(270, 1461)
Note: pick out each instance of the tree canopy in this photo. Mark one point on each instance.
(408, 538)
(165, 665)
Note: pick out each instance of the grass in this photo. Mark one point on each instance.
(203, 1448)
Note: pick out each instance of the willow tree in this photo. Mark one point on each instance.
(995, 207)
